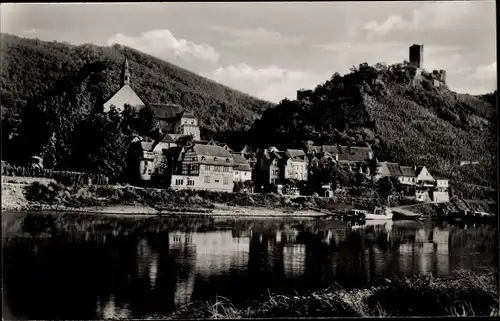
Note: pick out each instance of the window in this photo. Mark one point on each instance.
(179, 182)
(216, 180)
(236, 172)
(226, 181)
(190, 182)
(202, 158)
(215, 158)
(207, 179)
(227, 160)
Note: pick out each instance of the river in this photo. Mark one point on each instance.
(82, 267)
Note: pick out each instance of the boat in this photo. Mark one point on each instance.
(401, 214)
(379, 213)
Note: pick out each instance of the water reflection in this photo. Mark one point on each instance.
(96, 275)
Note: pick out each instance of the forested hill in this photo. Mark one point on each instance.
(413, 124)
(34, 71)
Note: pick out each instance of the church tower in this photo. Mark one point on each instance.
(126, 73)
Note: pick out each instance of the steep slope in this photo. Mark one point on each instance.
(33, 71)
(406, 122)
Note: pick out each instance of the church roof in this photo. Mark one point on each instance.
(124, 95)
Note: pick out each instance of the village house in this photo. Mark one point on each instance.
(353, 158)
(277, 166)
(125, 95)
(242, 170)
(203, 167)
(440, 193)
(173, 119)
(416, 181)
(296, 165)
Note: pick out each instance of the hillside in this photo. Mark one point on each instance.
(36, 72)
(404, 122)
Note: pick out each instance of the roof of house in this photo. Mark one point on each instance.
(166, 111)
(320, 155)
(188, 114)
(295, 153)
(354, 153)
(418, 170)
(211, 150)
(279, 155)
(332, 149)
(147, 146)
(408, 171)
(390, 169)
(240, 163)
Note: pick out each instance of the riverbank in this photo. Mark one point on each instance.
(468, 294)
(30, 194)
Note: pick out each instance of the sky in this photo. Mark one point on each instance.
(272, 49)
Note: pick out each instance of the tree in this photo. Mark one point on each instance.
(385, 186)
(359, 178)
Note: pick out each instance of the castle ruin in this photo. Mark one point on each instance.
(438, 77)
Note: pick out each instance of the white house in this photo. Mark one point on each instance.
(241, 170)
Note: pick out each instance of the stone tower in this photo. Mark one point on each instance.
(417, 56)
(126, 73)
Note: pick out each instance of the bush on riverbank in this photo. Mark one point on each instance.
(423, 295)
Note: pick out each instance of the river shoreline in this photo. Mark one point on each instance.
(467, 294)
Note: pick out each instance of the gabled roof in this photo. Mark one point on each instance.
(147, 146)
(240, 163)
(390, 169)
(320, 155)
(166, 111)
(211, 150)
(330, 149)
(408, 171)
(419, 170)
(188, 114)
(394, 169)
(295, 153)
(124, 95)
(354, 153)
(247, 150)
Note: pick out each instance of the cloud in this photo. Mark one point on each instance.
(256, 36)
(272, 83)
(435, 16)
(162, 44)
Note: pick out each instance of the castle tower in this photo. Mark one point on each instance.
(417, 56)
(126, 73)
(443, 76)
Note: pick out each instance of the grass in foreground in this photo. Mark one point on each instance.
(467, 295)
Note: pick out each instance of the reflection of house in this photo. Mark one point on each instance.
(294, 259)
(125, 95)
(203, 167)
